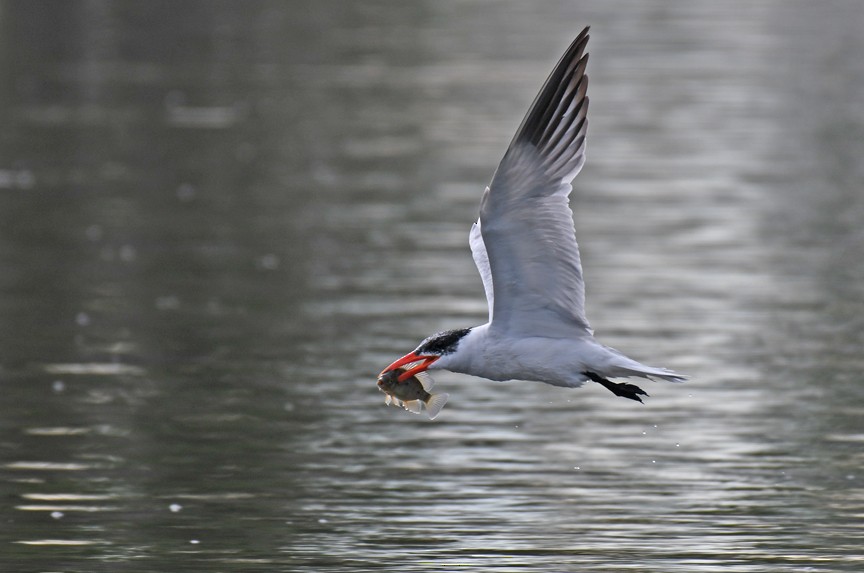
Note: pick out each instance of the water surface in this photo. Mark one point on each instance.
(218, 222)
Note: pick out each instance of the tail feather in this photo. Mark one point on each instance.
(670, 376)
(647, 372)
(621, 367)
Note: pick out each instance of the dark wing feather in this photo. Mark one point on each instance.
(526, 222)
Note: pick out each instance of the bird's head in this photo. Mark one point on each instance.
(430, 350)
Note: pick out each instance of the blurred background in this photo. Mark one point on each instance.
(220, 220)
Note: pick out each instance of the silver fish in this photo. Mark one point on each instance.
(411, 393)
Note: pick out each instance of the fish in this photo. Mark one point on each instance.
(413, 393)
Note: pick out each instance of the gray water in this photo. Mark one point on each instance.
(219, 221)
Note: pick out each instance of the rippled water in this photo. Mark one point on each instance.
(218, 222)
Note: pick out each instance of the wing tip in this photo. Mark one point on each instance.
(567, 78)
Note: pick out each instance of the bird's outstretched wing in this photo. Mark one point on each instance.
(481, 260)
(525, 246)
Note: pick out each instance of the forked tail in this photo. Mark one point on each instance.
(651, 372)
(623, 367)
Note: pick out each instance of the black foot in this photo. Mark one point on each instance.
(631, 391)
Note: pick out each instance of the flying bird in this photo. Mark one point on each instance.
(524, 246)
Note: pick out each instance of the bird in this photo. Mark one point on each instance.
(524, 246)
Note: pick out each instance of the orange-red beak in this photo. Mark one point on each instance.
(425, 361)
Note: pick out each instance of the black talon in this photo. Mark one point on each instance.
(622, 389)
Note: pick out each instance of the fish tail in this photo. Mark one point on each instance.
(434, 404)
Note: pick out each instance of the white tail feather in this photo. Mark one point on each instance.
(651, 372)
(623, 366)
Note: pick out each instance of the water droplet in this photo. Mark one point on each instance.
(128, 253)
(57, 514)
(269, 262)
(175, 507)
(168, 302)
(94, 232)
(58, 385)
(186, 193)
(194, 541)
(322, 520)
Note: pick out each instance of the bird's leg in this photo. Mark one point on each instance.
(622, 389)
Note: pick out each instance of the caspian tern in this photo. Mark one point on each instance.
(524, 246)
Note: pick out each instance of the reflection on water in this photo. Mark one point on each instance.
(218, 223)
